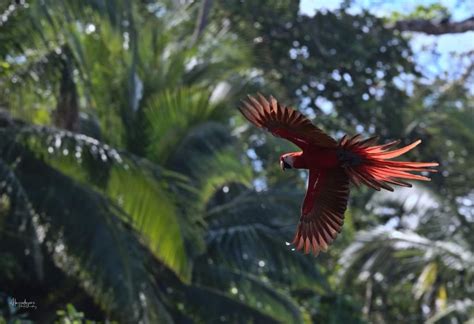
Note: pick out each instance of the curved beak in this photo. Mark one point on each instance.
(284, 165)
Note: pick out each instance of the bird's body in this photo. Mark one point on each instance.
(332, 167)
(314, 157)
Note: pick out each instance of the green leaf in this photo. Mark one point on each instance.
(86, 237)
(171, 114)
(251, 233)
(143, 190)
(426, 280)
(250, 290)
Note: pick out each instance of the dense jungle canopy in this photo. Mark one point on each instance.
(132, 190)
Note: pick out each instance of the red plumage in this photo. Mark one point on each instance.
(332, 166)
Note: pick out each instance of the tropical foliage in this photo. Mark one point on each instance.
(131, 190)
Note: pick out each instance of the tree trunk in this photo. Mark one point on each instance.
(66, 115)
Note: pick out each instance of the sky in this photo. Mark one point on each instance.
(432, 53)
(459, 9)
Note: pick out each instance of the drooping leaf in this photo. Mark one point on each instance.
(86, 236)
(143, 190)
(248, 289)
(251, 233)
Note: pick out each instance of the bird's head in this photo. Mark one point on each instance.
(286, 161)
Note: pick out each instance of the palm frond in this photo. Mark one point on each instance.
(219, 307)
(87, 238)
(198, 147)
(171, 115)
(453, 255)
(209, 155)
(220, 57)
(457, 310)
(251, 233)
(401, 256)
(143, 190)
(416, 201)
(18, 216)
(248, 289)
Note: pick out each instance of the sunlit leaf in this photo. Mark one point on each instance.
(143, 190)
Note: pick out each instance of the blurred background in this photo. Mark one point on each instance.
(132, 190)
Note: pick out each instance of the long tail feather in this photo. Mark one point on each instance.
(370, 165)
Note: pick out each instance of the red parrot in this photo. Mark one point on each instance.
(332, 166)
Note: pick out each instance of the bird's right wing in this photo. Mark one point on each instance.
(322, 214)
(285, 122)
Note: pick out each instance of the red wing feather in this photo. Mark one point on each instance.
(323, 209)
(284, 122)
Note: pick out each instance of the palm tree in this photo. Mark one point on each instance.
(424, 256)
(422, 242)
(146, 236)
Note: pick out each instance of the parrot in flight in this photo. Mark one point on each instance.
(332, 167)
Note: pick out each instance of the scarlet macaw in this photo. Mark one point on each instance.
(332, 166)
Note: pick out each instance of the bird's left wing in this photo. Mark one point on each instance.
(285, 122)
(322, 214)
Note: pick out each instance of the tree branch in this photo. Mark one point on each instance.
(202, 19)
(435, 28)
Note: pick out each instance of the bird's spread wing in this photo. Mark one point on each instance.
(284, 122)
(323, 209)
